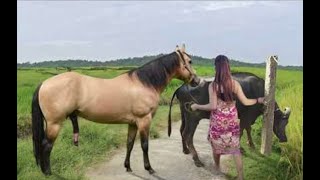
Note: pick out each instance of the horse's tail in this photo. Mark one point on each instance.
(38, 134)
(169, 115)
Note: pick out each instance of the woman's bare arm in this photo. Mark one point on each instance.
(212, 101)
(244, 100)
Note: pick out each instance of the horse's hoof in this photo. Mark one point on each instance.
(47, 172)
(252, 146)
(242, 150)
(129, 170)
(151, 171)
(198, 163)
(76, 143)
(186, 151)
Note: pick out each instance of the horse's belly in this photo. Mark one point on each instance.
(110, 121)
(110, 117)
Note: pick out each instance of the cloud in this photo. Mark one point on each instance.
(108, 29)
(217, 5)
(213, 6)
(59, 43)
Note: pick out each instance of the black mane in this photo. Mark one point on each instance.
(156, 72)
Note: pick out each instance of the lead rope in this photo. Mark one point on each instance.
(187, 105)
(185, 64)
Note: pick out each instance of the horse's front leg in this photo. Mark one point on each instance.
(132, 132)
(144, 127)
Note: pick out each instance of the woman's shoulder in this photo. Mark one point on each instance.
(210, 85)
(235, 85)
(213, 83)
(235, 82)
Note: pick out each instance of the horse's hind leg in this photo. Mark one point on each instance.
(75, 125)
(250, 141)
(132, 132)
(144, 127)
(182, 127)
(191, 128)
(47, 145)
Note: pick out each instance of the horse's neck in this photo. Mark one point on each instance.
(163, 87)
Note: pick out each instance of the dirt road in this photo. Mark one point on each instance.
(166, 158)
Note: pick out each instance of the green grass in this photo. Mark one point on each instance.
(95, 142)
(292, 151)
(67, 160)
(276, 166)
(285, 161)
(98, 140)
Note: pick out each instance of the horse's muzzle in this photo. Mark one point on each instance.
(195, 81)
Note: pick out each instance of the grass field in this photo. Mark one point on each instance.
(97, 141)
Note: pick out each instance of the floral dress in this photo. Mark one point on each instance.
(224, 129)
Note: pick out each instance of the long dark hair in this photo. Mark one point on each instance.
(223, 79)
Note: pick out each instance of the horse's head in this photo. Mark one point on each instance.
(185, 71)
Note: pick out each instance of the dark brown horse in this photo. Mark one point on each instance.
(131, 98)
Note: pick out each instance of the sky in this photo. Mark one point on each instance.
(248, 31)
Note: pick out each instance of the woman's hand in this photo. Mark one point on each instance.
(260, 100)
(193, 107)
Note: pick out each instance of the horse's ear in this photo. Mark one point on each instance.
(183, 49)
(177, 47)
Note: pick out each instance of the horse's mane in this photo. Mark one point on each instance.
(156, 72)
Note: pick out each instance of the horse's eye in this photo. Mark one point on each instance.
(190, 62)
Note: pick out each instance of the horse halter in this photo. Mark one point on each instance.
(185, 64)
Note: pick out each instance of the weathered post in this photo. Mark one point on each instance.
(268, 115)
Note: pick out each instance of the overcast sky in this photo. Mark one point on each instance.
(248, 31)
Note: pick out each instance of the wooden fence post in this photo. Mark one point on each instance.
(268, 115)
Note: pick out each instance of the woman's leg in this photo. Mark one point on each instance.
(216, 158)
(239, 165)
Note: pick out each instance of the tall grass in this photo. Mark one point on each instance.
(285, 162)
(67, 160)
(96, 140)
(289, 92)
(286, 157)
(292, 151)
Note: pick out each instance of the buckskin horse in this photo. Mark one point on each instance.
(131, 98)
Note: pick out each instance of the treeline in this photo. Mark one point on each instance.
(136, 61)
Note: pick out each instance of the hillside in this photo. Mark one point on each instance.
(137, 61)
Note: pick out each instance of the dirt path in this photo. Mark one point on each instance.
(166, 158)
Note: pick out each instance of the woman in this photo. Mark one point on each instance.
(224, 128)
